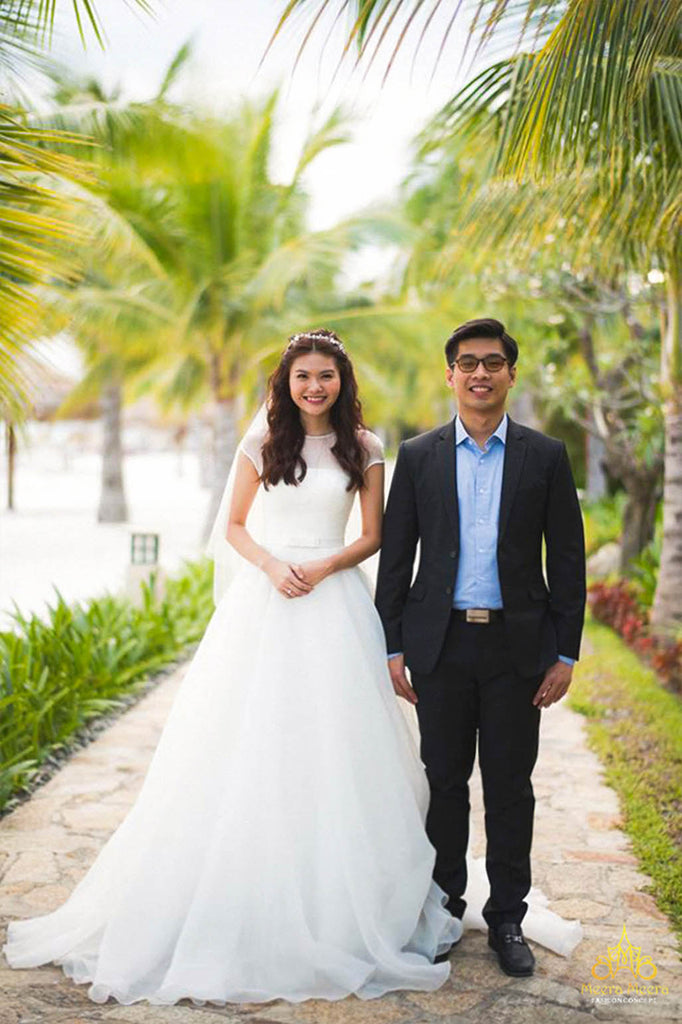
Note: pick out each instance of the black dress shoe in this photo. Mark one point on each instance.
(513, 953)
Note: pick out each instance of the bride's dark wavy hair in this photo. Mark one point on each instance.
(282, 450)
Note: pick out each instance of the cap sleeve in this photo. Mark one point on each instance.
(374, 449)
(252, 446)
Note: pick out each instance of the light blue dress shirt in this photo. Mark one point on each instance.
(479, 491)
(479, 488)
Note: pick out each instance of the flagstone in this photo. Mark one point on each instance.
(34, 814)
(97, 816)
(54, 837)
(140, 1013)
(47, 897)
(36, 866)
(607, 856)
(387, 1010)
(582, 909)
(448, 1000)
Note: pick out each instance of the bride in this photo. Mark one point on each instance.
(277, 846)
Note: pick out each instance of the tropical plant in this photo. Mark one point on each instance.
(603, 521)
(203, 262)
(117, 308)
(644, 570)
(591, 115)
(244, 269)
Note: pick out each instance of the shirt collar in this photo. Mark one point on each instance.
(462, 435)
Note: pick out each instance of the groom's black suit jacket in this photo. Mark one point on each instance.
(542, 619)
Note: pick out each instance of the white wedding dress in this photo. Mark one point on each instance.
(277, 846)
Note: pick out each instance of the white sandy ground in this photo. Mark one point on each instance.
(53, 537)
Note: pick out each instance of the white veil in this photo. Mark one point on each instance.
(226, 561)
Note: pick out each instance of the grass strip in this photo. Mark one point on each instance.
(635, 726)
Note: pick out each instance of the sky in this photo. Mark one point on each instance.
(230, 38)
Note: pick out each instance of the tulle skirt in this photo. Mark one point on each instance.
(277, 846)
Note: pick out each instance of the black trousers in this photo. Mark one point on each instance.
(473, 694)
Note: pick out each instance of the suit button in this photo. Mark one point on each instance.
(453, 554)
(448, 590)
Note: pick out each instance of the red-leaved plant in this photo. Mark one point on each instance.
(617, 606)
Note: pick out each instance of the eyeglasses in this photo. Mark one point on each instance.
(468, 363)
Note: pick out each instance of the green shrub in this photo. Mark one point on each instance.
(57, 675)
(603, 521)
(643, 570)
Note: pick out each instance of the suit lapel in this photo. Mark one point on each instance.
(445, 454)
(514, 456)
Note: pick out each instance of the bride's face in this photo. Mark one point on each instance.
(314, 383)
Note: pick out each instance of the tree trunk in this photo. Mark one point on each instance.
(11, 461)
(224, 447)
(595, 454)
(667, 607)
(639, 514)
(112, 505)
(524, 409)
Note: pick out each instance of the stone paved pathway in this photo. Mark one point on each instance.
(581, 859)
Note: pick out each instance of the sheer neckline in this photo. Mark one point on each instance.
(328, 434)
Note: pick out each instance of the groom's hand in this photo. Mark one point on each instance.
(555, 684)
(401, 685)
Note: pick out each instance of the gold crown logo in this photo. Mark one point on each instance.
(624, 957)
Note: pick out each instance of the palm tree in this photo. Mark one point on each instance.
(241, 263)
(120, 321)
(117, 306)
(597, 101)
(189, 202)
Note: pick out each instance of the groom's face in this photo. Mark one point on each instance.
(481, 390)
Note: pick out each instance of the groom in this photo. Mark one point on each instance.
(488, 642)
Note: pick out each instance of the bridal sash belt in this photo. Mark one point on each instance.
(306, 541)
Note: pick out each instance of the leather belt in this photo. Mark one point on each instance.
(479, 615)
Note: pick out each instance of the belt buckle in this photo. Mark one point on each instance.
(478, 615)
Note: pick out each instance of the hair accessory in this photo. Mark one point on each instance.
(316, 336)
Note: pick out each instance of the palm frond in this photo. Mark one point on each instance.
(380, 25)
(38, 235)
(335, 131)
(628, 177)
(85, 13)
(175, 68)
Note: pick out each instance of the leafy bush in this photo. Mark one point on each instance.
(57, 675)
(603, 521)
(644, 570)
(619, 605)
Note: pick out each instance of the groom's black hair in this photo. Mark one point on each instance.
(486, 327)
